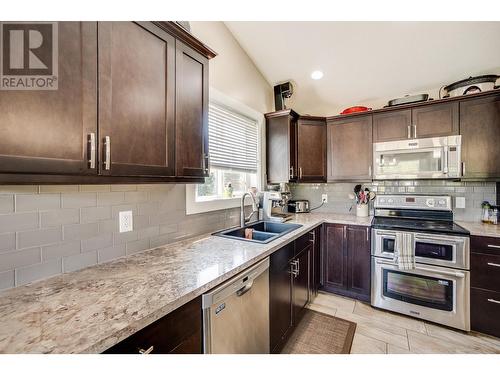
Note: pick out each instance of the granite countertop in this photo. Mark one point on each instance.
(480, 229)
(90, 310)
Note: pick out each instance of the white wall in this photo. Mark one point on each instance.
(232, 72)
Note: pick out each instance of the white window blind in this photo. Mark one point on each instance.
(233, 139)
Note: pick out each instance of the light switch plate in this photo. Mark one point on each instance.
(460, 202)
(126, 221)
(324, 198)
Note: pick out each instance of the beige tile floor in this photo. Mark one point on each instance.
(381, 332)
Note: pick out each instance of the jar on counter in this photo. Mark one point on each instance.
(494, 215)
(485, 216)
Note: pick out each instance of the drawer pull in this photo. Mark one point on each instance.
(493, 264)
(147, 351)
(494, 246)
(493, 300)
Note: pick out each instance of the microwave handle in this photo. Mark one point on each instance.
(445, 160)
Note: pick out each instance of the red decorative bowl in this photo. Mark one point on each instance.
(355, 109)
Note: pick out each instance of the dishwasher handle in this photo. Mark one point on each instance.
(245, 289)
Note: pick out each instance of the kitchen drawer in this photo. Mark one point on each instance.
(177, 332)
(488, 245)
(303, 242)
(485, 271)
(485, 311)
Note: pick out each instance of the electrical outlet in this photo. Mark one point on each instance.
(460, 202)
(126, 221)
(324, 198)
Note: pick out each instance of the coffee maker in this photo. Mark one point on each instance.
(274, 204)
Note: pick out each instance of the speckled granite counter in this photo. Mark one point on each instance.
(90, 310)
(480, 229)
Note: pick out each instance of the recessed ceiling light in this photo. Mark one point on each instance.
(317, 74)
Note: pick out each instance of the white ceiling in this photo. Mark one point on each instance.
(367, 63)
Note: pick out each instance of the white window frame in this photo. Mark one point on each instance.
(194, 207)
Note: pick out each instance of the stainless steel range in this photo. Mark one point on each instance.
(435, 284)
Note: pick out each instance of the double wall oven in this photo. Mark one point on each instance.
(436, 287)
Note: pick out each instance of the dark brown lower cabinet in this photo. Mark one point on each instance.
(315, 276)
(289, 289)
(485, 285)
(346, 260)
(179, 332)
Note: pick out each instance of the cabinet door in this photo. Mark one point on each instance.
(435, 120)
(281, 156)
(392, 126)
(280, 297)
(358, 261)
(301, 287)
(334, 257)
(136, 99)
(311, 150)
(191, 119)
(480, 130)
(350, 149)
(47, 132)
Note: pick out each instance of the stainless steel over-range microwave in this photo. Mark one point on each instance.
(437, 157)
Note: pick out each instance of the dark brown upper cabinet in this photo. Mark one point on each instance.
(281, 146)
(349, 149)
(480, 130)
(191, 112)
(47, 132)
(311, 149)
(433, 120)
(392, 126)
(436, 120)
(131, 106)
(136, 99)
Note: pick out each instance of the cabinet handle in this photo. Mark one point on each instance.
(493, 300)
(107, 152)
(313, 233)
(370, 170)
(463, 168)
(415, 131)
(147, 351)
(345, 232)
(367, 234)
(300, 172)
(291, 172)
(493, 264)
(494, 246)
(298, 267)
(91, 150)
(409, 131)
(206, 163)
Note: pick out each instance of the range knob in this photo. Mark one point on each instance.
(442, 202)
(382, 200)
(390, 200)
(430, 202)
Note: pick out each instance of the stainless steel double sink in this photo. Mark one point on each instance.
(263, 231)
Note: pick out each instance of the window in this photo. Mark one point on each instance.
(234, 147)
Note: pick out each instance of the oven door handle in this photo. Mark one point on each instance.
(438, 272)
(438, 240)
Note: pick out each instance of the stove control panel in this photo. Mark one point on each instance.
(415, 202)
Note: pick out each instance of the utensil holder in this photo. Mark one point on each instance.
(362, 210)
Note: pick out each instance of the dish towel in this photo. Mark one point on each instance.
(403, 251)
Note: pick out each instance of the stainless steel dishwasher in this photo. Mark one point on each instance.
(236, 314)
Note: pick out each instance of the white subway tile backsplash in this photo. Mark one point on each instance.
(38, 237)
(95, 243)
(80, 231)
(7, 242)
(19, 258)
(93, 214)
(59, 217)
(38, 271)
(7, 279)
(78, 200)
(79, 261)
(17, 222)
(136, 246)
(60, 250)
(37, 202)
(110, 199)
(110, 253)
(6, 203)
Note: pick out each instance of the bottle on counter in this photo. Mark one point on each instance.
(485, 216)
